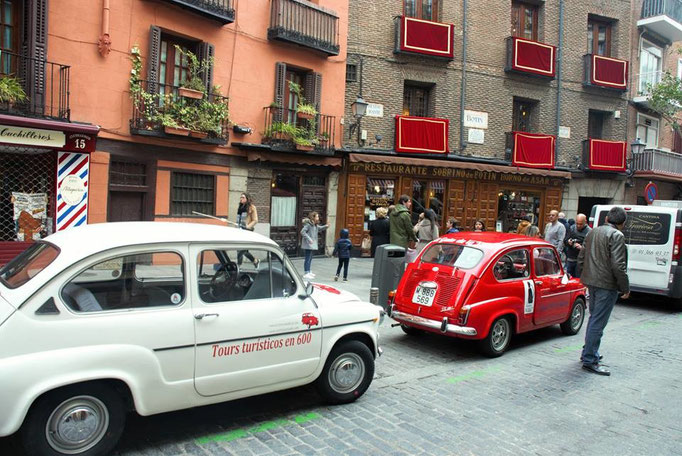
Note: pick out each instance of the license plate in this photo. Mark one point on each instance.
(424, 296)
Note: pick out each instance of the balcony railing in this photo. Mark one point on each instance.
(305, 24)
(286, 132)
(530, 57)
(45, 85)
(419, 36)
(657, 161)
(160, 110)
(605, 72)
(663, 17)
(647, 80)
(217, 10)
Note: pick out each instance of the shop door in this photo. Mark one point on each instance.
(427, 194)
(314, 198)
(355, 207)
(284, 215)
(129, 187)
(126, 206)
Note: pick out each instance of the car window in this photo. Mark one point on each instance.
(545, 262)
(512, 265)
(452, 255)
(28, 264)
(128, 282)
(242, 274)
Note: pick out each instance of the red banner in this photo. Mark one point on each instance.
(533, 150)
(609, 72)
(607, 155)
(533, 57)
(426, 37)
(421, 135)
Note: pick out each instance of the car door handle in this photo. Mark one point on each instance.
(202, 316)
(538, 282)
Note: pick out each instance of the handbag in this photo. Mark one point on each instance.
(366, 243)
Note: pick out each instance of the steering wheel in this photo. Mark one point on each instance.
(224, 280)
(503, 268)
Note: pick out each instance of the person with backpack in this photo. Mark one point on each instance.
(342, 248)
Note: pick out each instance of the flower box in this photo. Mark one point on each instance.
(178, 131)
(304, 147)
(304, 115)
(198, 134)
(190, 93)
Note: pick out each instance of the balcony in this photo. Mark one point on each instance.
(36, 88)
(418, 36)
(531, 150)
(644, 82)
(605, 72)
(659, 163)
(663, 17)
(286, 131)
(162, 111)
(217, 10)
(306, 24)
(421, 135)
(530, 57)
(603, 155)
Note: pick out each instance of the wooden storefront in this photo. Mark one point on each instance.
(498, 195)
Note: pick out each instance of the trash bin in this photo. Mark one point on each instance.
(389, 265)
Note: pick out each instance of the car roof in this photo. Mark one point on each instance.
(493, 241)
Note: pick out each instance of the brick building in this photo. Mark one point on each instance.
(484, 110)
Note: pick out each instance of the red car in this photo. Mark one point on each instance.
(487, 286)
(309, 319)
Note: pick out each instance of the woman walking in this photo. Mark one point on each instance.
(311, 228)
(380, 229)
(426, 229)
(247, 218)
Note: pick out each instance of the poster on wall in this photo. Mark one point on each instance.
(30, 215)
(73, 172)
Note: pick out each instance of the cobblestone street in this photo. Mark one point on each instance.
(435, 396)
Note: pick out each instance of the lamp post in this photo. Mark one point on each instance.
(636, 149)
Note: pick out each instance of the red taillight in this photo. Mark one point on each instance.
(677, 246)
(391, 297)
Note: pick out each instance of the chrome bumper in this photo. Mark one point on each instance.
(442, 326)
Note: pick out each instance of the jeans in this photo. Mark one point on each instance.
(343, 262)
(572, 269)
(601, 305)
(308, 260)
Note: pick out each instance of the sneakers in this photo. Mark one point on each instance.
(308, 275)
(345, 279)
(336, 278)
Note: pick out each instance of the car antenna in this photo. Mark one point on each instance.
(224, 220)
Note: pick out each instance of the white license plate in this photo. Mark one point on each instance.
(424, 296)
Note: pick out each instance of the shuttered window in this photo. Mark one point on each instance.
(192, 192)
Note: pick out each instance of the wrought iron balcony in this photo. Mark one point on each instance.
(663, 17)
(217, 10)
(34, 87)
(285, 131)
(657, 162)
(163, 111)
(306, 24)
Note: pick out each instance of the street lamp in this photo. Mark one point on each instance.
(359, 108)
(636, 148)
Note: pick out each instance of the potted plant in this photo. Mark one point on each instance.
(304, 110)
(282, 131)
(303, 143)
(194, 86)
(171, 125)
(323, 138)
(11, 91)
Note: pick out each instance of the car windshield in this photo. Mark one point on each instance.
(27, 264)
(452, 255)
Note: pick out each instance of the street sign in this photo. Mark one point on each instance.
(650, 192)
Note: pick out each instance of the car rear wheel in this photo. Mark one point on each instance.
(575, 320)
(85, 421)
(498, 338)
(347, 373)
(411, 331)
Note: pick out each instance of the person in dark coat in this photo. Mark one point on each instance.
(380, 229)
(343, 248)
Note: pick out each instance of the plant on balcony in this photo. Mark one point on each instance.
(194, 86)
(11, 91)
(304, 143)
(304, 110)
(282, 131)
(323, 138)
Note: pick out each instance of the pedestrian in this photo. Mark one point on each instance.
(426, 229)
(575, 239)
(400, 221)
(603, 261)
(524, 224)
(555, 232)
(247, 218)
(380, 229)
(534, 232)
(561, 218)
(451, 226)
(311, 228)
(479, 226)
(342, 248)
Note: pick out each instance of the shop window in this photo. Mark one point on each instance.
(284, 200)
(545, 262)
(380, 193)
(351, 72)
(515, 206)
(647, 130)
(523, 116)
(512, 266)
(595, 124)
(9, 35)
(428, 195)
(598, 37)
(192, 193)
(421, 9)
(416, 99)
(127, 173)
(650, 60)
(524, 20)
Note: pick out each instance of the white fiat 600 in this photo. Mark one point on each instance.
(153, 317)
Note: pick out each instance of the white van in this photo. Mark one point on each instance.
(653, 235)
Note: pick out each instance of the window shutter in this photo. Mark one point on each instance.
(34, 45)
(153, 58)
(313, 89)
(280, 88)
(206, 52)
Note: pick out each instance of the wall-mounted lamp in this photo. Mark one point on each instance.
(359, 108)
(636, 148)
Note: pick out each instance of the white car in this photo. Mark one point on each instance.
(100, 320)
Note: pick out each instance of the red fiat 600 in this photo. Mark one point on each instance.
(487, 286)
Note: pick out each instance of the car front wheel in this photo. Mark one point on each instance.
(575, 320)
(86, 421)
(347, 373)
(498, 338)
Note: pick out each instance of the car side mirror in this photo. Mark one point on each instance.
(564, 279)
(309, 288)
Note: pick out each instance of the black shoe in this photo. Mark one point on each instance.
(596, 369)
(600, 358)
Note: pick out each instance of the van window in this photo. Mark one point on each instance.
(644, 228)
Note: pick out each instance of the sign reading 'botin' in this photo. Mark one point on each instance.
(31, 136)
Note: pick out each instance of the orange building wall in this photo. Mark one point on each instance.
(99, 183)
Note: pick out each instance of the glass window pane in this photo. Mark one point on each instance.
(590, 38)
(164, 51)
(528, 24)
(545, 262)
(427, 7)
(8, 12)
(283, 211)
(410, 8)
(7, 38)
(283, 283)
(222, 279)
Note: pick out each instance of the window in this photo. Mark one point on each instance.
(416, 100)
(291, 99)
(173, 65)
(127, 173)
(512, 265)
(27, 264)
(192, 192)
(595, 124)
(235, 275)
(452, 255)
(647, 130)
(644, 228)
(650, 58)
(545, 262)
(523, 115)
(598, 37)
(422, 9)
(351, 72)
(524, 20)
(9, 35)
(128, 282)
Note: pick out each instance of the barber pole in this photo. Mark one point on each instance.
(72, 189)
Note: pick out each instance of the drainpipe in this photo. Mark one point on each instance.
(560, 51)
(104, 42)
(462, 96)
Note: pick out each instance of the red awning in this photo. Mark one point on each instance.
(533, 150)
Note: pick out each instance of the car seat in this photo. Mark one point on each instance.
(81, 298)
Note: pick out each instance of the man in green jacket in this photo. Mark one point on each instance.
(402, 231)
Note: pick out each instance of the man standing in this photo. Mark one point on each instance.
(401, 230)
(555, 232)
(603, 261)
(575, 239)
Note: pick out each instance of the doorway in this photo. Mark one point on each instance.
(130, 191)
(428, 194)
(585, 204)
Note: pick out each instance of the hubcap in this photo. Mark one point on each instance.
(77, 425)
(346, 373)
(500, 334)
(577, 316)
